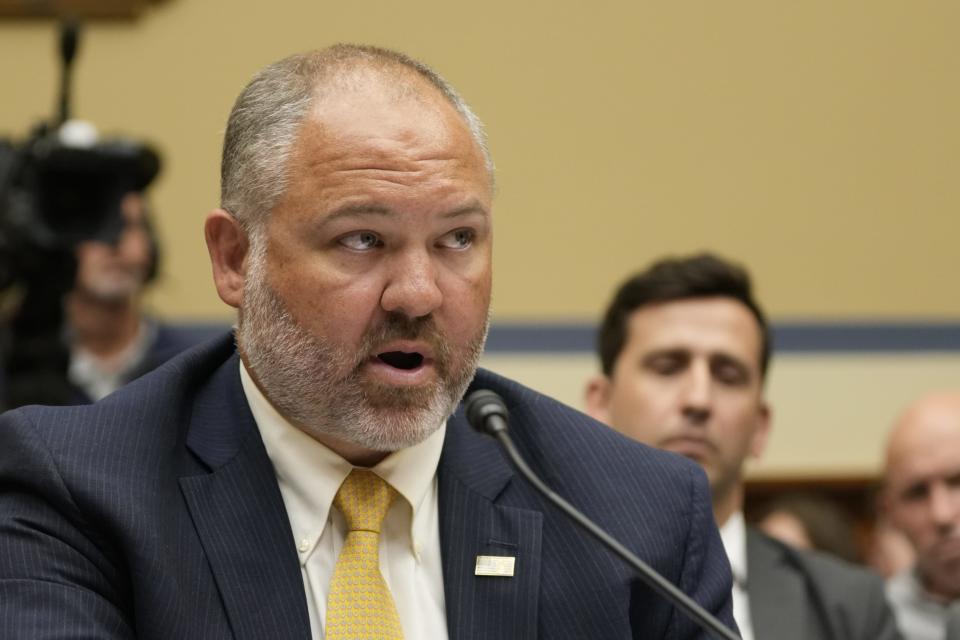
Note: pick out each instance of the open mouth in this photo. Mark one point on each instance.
(401, 359)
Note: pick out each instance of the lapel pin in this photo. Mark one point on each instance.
(501, 566)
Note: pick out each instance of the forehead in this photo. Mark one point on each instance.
(404, 123)
(927, 447)
(696, 324)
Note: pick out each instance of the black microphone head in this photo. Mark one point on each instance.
(69, 39)
(486, 411)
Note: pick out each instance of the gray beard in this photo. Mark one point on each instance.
(321, 388)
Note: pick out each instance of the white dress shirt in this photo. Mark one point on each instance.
(920, 616)
(734, 536)
(309, 475)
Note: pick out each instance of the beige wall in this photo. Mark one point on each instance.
(831, 412)
(818, 142)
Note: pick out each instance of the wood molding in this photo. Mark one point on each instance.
(88, 9)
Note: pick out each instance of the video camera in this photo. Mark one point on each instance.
(55, 194)
(59, 188)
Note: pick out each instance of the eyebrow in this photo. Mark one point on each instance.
(728, 358)
(671, 352)
(723, 357)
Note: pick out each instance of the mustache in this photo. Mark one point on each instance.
(396, 326)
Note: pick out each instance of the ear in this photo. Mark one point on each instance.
(228, 245)
(597, 398)
(761, 433)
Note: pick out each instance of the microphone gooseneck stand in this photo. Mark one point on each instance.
(487, 413)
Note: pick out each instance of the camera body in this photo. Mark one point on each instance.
(56, 193)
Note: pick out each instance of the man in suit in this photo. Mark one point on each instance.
(254, 490)
(921, 498)
(684, 349)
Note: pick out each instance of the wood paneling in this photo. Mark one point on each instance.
(124, 9)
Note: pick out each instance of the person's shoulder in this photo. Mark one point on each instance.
(575, 441)
(180, 336)
(824, 568)
(848, 598)
(157, 397)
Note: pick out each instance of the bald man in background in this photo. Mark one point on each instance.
(921, 498)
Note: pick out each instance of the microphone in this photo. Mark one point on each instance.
(69, 39)
(69, 43)
(487, 413)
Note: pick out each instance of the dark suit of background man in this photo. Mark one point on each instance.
(355, 240)
(684, 349)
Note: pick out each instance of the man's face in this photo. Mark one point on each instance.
(365, 313)
(688, 380)
(922, 496)
(116, 272)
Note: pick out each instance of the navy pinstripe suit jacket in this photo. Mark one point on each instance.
(156, 514)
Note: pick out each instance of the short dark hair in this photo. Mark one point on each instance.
(702, 275)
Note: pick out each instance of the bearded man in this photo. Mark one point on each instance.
(313, 476)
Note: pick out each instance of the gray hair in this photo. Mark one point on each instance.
(267, 116)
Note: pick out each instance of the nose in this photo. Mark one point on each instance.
(697, 393)
(945, 506)
(412, 288)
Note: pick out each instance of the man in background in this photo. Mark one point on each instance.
(684, 349)
(77, 328)
(921, 498)
(112, 340)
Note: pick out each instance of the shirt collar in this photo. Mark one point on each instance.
(310, 474)
(734, 536)
(914, 588)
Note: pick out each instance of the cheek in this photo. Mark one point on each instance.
(910, 520)
(738, 413)
(466, 301)
(640, 412)
(90, 254)
(326, 307)
(736, 425)
(136, 249)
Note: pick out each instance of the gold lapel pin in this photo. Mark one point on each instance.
(501, 566)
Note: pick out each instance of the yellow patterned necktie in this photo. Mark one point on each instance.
(360, 606)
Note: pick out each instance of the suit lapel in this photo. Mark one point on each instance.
(777, 594)
(472, 475)
(240, 517)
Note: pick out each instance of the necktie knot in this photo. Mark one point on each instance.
(363, 499)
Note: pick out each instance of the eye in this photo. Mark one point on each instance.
(666, 364)
(361, 241)
(458, 239)
(915, 492)
(731, 373)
